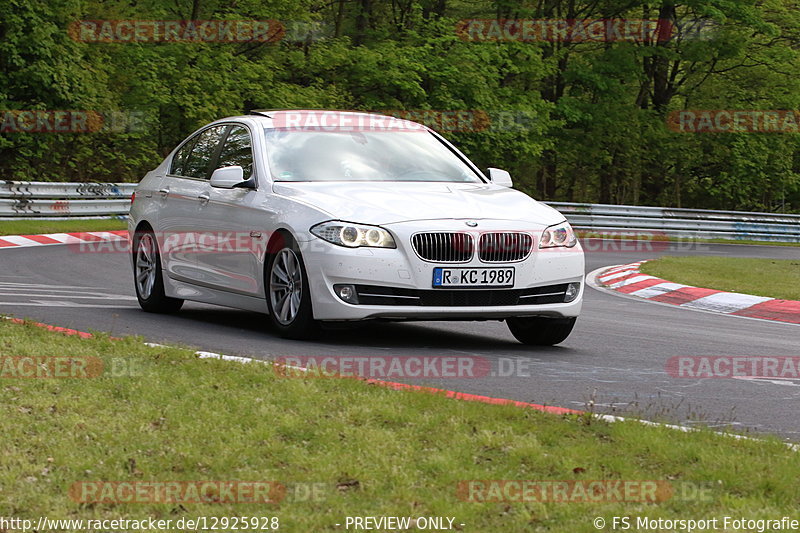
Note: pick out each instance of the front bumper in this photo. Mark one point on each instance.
(404, 273)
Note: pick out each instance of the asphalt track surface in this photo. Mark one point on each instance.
(615, 359)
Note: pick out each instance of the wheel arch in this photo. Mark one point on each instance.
(143, 225)
(279, 238)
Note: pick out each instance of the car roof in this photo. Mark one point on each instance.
(279, 118)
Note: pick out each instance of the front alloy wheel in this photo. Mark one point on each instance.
(286, 286)
(540, 331)
(288, 295)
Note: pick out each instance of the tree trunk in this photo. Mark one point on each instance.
(337, 32)
(363, 21)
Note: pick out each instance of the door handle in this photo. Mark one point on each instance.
(204, 198)
(164, 192)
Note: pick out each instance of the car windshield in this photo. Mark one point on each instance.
(412, 155)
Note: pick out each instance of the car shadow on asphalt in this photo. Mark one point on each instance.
(376, 334)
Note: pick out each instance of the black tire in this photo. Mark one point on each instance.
(540, 331)
(151, 297)
(299, 325)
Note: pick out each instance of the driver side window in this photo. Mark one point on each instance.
(194, 158)
(237, 150)
(199, 160)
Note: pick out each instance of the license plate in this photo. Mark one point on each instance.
(473, 277)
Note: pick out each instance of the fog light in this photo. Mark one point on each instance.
(572, 292)
(347, 293)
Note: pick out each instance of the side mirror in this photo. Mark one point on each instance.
(499, 177)
(229, 178)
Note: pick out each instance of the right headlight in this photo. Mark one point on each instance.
(558, 235)
(353, 235)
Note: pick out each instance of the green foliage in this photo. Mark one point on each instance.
(575, 121)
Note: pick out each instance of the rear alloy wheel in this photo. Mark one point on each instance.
(540, 331)
(148, 278)
(288, 295)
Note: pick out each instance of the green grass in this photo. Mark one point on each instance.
(744, 241)
(586, 234)
(369, 450)
(775, 278)
(35, 227)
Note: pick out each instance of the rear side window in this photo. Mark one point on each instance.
(237, 151)
(196, 162)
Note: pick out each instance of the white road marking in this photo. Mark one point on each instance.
(65, 304)
(45, 288)
(11, 285)
(725, 302)
(108, 236)
(617, 274)
(78, 296)
(53, 303)
(635, 279)
(789, 382)
(64, 238)
(19, 240)
(657, 290)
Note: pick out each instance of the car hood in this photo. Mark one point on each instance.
(391, 202)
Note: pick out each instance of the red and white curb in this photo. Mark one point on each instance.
(629, 280)
(26, 241)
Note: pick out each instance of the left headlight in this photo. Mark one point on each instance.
(353, 235)
(558, 235)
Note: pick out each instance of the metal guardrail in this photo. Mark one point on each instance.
(24, 199)
(30, 199)
(683, 223)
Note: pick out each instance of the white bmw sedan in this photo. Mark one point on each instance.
(327, 216)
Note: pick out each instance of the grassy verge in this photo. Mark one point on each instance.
(644, 236)
(745, 241)
(775, 278)
(366, 450)
(34, 227)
